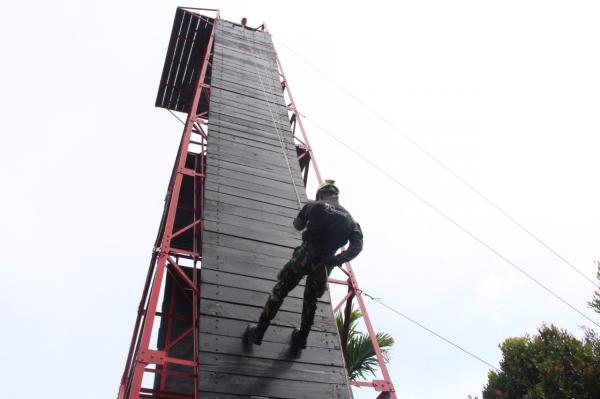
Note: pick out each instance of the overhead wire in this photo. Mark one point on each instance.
(450, 219)
(441, 164)
(429, 330)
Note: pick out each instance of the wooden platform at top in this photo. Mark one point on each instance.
(250, 202)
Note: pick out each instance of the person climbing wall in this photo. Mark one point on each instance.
(327, 227)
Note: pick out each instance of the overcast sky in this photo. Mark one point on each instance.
(504, 93)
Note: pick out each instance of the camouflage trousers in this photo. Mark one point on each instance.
(304, 262)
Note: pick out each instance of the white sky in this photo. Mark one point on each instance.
(505, 93)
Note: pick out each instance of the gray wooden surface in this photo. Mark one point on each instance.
(248, 235)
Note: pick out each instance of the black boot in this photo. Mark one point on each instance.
(254, 334)
(299, 339)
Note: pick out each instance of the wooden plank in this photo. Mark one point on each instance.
(235, 171)
(255, 155)
(232, 38)
(221, 137)
(267, 113)
(286, 173)
(264, 229)
(278, 164)
(255, 57)
(260, 54)
(246, 43)
(240, 281)
(229, 131)
(224, 57)
(278, 334)
(246, 51)
(257, 367)
(248, 297)
(270, 99)
(229, 38)
(232, 170)
(232, 57)
(265, 198)
(226, 252)
(254, 40)
(263, 128)
(272, 154)
(260, 226)
(270, 387)
(268, 350)
(222, 261)
(228, 94)
(260, 133)
(230, 99)
(242, 43)
(215, 165)
(261, 84)
(246, 245)
(235, 61)
(221, 64)
(258, 93)
(260, 187)
(243, 122)
(225, 279)
(216, 196)
(247, 74)
(225, 209)
(256, 235)
(251, 314)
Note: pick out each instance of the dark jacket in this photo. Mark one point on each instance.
(329, 226)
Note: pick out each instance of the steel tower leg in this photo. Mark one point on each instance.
(384, 386)
(165, 257)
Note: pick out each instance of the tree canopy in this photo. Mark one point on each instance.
(551, 364)
(595, 302)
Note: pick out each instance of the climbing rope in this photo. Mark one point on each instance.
(279, 133)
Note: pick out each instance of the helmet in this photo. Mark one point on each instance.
(327, 187)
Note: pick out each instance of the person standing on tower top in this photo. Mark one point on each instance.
(327, 227)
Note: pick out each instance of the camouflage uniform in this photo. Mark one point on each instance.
(306, 261)
(327, 227)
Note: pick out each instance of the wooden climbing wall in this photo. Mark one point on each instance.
(250, 203)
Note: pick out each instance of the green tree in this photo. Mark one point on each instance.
(595, 302)
(360, 355)
(552, 364)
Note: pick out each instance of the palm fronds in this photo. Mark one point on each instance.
(360, 355)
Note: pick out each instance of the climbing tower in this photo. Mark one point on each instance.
(238, 181)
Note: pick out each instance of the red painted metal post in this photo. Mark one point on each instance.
(292, 107)
(384, 386)
(371, 331)
(140, 354)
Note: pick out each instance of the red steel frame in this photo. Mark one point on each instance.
(385, 385)
(166, 258)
